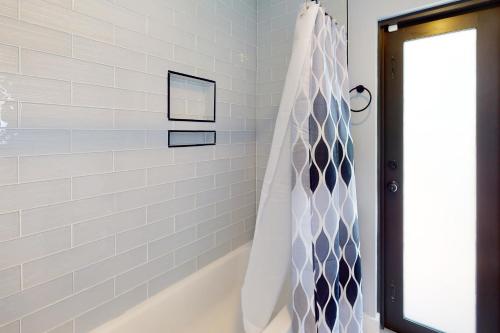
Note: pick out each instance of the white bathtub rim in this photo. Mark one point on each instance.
(281, 323)
(159, 298)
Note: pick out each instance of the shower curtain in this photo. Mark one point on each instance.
(307, 222)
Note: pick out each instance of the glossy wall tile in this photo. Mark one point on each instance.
(96, 212)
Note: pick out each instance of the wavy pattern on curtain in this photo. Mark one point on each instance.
(307, 217)
(326, 263)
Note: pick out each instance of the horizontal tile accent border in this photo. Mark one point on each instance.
(97, 213)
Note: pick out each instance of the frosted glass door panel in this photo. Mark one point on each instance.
(439, 183)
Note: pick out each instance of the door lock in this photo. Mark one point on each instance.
(393, 186)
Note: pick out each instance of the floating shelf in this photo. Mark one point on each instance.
(190, 98)
(187, 138)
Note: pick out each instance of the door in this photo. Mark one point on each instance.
(439, 170)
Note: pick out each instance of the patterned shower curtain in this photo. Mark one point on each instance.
(326, 267)
(312, 136)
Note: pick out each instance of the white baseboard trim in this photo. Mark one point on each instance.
(371, 324)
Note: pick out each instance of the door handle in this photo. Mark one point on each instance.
(393, 186)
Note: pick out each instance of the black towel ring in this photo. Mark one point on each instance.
(360, 89)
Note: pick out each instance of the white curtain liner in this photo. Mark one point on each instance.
(271, 251)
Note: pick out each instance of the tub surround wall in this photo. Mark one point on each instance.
(218, 311)
(275, 28)
(96, 212)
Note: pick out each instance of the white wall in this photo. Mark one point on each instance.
(96, 212)
(363, 52)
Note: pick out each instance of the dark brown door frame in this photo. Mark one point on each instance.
(488, 141)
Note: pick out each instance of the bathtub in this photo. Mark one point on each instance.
(207, 301)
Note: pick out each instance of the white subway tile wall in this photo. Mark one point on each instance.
(275, 28)
(96, 212)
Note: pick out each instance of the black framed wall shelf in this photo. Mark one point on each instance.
(191, 98)
(191, 138)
